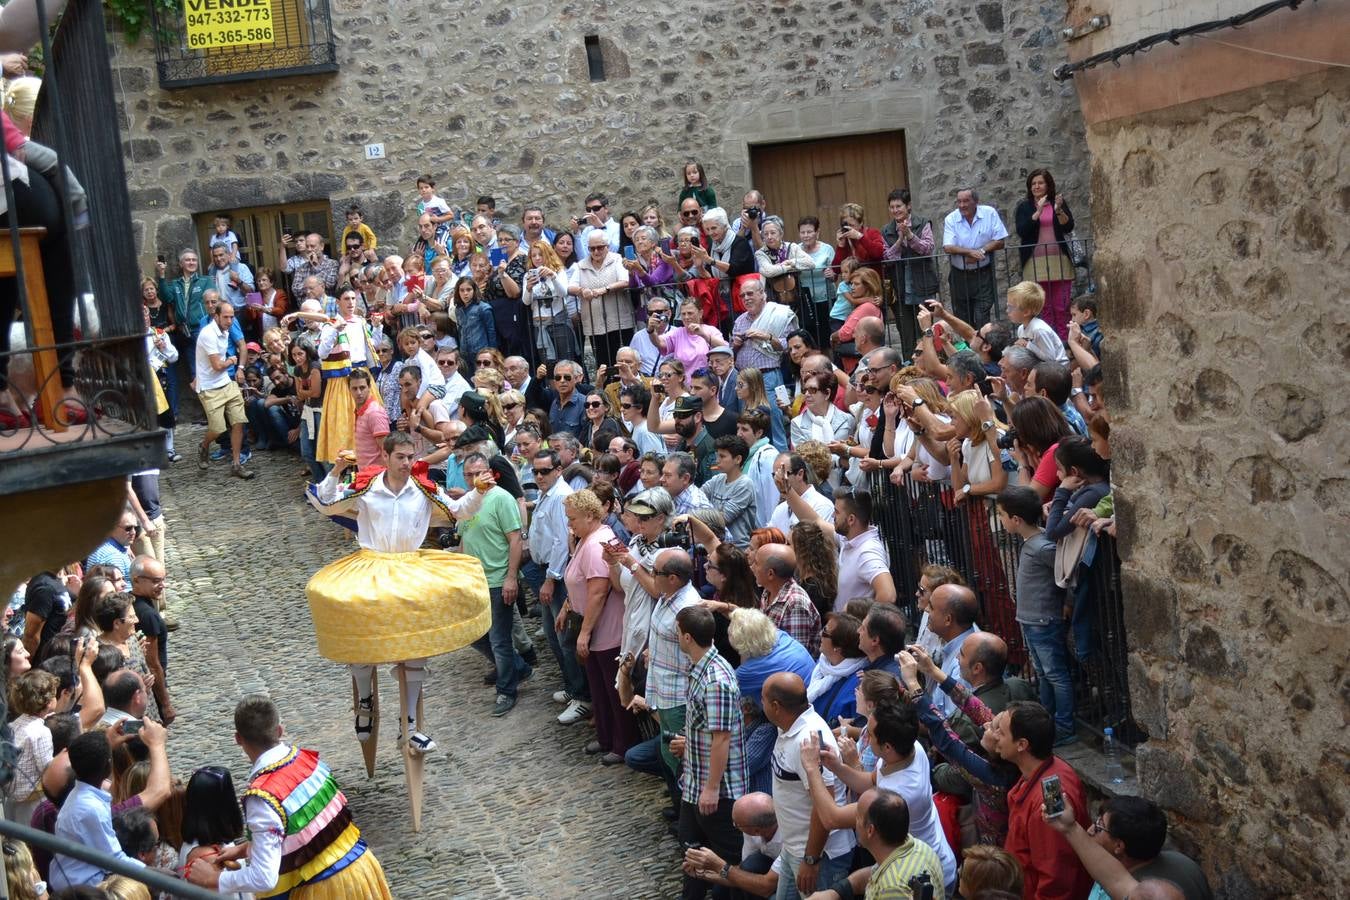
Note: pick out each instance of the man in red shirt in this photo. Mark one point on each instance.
(1024, 734)
(372, 421)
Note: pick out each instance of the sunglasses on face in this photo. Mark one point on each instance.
(426, 336)
(688, 213)
(562, 377)
(485, 362)
(628, 406)
(510, 405)
(604, 247)
(445, 363)
(594, 404)
(871, 390)
(680, 417)
(594, 209)
(812, 390)
(538, 471)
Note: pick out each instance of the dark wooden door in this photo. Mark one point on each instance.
(817, 177)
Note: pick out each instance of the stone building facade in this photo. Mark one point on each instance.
(1219, 199)
(496, 100)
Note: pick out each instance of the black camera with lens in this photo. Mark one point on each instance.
(447, 537)
(1007, 439)
(921, 887)
(676, 536)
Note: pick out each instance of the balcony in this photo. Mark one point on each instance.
(218, 41)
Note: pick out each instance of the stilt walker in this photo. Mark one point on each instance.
(390, 601)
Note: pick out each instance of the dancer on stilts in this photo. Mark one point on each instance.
(391, 602)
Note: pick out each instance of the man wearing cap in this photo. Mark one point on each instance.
(722, 361)
(694, 438)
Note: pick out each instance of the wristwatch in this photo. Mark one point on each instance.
(725, 874)
(928, 332)
(1075, 392)
(986, 425)
(965, 489)
(811, 860)
(918, 401)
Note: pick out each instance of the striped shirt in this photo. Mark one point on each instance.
(712, 704)
(792, 611)
(890, 878)
(668, 671)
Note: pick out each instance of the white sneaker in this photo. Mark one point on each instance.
(562, 697)
(575, 712)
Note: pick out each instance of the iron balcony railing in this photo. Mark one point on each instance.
(217, 41)
(922, 524)
(80, 396)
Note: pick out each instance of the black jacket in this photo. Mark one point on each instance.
(1029, 229)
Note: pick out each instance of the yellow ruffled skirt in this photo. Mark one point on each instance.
(371, 607)
(337, 423)
(362, 880)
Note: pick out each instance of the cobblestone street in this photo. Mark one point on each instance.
(513, 807)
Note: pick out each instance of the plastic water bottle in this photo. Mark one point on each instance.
(1115, 772)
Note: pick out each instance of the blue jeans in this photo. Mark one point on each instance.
(831, 870)
(498, 647)
(308, 446)
(646, 757)
(573, 677)
(1050, 657)
(1084, 619)
(777, 427)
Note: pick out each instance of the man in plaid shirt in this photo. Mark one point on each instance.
(712, 746)
(785, 601)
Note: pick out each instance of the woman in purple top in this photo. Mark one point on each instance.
(691, 343)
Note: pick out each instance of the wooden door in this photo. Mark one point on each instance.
(815, 178)
(260, 228)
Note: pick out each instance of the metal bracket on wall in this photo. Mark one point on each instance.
(1091, 26)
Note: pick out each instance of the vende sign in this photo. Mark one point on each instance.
(212, 24)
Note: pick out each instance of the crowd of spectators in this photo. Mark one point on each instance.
(690, 511)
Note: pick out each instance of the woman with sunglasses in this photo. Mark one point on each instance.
(750, 391)
(601, 283)
(867, 418)
(513, 415)
(820, 420)
(387, 378)
(598, 425)
(667, 387)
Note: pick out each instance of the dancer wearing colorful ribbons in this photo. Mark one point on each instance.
(304, 844)
(391, 602)
(344, 344)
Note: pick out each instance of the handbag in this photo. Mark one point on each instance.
(784, 286)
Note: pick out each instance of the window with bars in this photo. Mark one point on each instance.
(214, 41)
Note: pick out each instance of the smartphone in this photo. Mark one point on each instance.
(630, 252)
(132, 727)
(843, 225)
(986, 388)
(159, 258)
(780, 393)
(496, 256)
(1053, 795)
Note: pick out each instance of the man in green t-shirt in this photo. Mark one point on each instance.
(493, 536)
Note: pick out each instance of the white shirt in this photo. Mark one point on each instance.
(548, 530)
(771, 848)
(356, 341)
(431, 373)
(1043, 342)
(986, 227)
(455, 388)
(645, 440)
(211, 340)
(792, 792)
(389, 522)
(611, 230)
(267, 833)
(861, 559)
(784, 518)
(759, 469)
(912, 783)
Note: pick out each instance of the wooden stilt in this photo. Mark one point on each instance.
(369, 746)
(412, 760)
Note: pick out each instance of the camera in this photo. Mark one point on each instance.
(678, 536)
(447, 537)
(921, 887)
(1007, 438)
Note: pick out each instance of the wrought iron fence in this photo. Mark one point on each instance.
(922, 524)
(813, 314)
(73, 368)
(209, 43)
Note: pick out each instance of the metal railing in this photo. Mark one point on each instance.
(78, 374)
(922, 524)
(206, 44)
(812, 312)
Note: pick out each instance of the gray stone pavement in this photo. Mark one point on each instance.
(513, 806)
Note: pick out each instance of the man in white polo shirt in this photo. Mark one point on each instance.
(971, 234)
(863, 567)
(792, 474)
(219, 394)
(813, 857)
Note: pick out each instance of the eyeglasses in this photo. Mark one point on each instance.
(812, 390)
(426, 336)
(871, 390)
(826, 634)
(601, 247)
(562, 377)
(539, 471)
(594, 404)
(129, 527)
(688, 213)
(445, 363)
(486, 362)
(150, 579)
(628, 406)
(594, 209)
(510, 405)
(1098, 826)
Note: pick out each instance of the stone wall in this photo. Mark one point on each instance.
(1222, 267)
(496, 99)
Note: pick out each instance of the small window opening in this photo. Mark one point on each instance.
(595, 61)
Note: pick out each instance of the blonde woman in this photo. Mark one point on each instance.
(513, 415)
(552, 307)
(652, 218)
(973, 453)
(913, 439)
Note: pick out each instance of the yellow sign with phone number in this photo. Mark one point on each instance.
(213, 24)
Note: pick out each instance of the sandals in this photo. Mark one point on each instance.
(364, 710)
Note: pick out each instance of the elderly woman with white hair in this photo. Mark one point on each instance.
(729, 256)
(765, 650)
(602, 284)
(779, 260)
